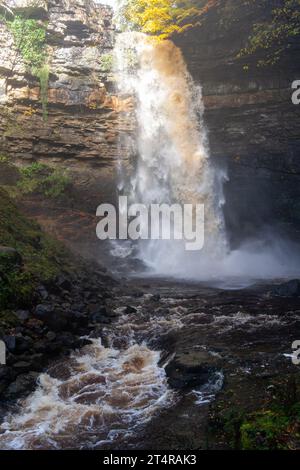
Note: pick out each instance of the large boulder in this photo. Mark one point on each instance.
(191, 369)
(23, 383)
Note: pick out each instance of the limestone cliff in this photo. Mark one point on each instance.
(253, 125)
(82, 113)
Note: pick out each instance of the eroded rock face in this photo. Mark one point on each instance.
(82, 123)
(253, 125)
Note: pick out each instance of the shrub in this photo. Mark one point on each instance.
(40, 178)
(30, 40)
(106, 62)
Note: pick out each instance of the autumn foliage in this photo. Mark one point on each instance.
(163, 18)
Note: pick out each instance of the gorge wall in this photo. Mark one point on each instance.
(81, 130)
(253, 125)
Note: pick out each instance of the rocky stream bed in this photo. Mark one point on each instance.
(189, 362)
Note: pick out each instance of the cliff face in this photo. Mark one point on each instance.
(81, 129)
(253, 125)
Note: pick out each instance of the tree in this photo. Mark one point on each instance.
(162, 18)
(274, 35)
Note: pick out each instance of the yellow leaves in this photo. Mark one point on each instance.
(155, 20)
(30, 111)
(162, 18)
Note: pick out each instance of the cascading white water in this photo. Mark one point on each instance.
(105, 394)
(173, 164)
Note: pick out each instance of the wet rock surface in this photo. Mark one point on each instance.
(51, 328)
(83, 114)
(190, 369)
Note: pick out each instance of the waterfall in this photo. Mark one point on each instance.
(170, 151)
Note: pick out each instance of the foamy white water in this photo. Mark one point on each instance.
(99, 396)
(173, 164)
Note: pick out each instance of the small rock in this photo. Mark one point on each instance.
(96, 308)
(80, 307)
(41, 310)
(23, 344)
(10, 342)
(58, 320)
(129, 309)
(137, 294)
(155, 297)
(22, 365)
(42, 292)
(51, 336)
(63, 283)
(22, 315)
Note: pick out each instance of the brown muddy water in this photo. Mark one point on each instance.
(148, 379)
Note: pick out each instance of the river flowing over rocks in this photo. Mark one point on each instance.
(145, 345)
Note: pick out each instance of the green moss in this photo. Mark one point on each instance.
(43, 74)
(264, 430)
(274, 426)
(39, 178)
(42, 257)
(4, 159)
(106, 62)
(7, 319)
(232, 421)
(30, 40)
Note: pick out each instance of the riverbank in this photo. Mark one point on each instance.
(49, 300)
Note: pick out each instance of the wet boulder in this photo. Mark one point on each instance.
(191, 369)
(22, 315)
(129, 309)
(42, 292)
(43, 310)
(24, 344)
(10, 341)
(55, 318)
(23, 383)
